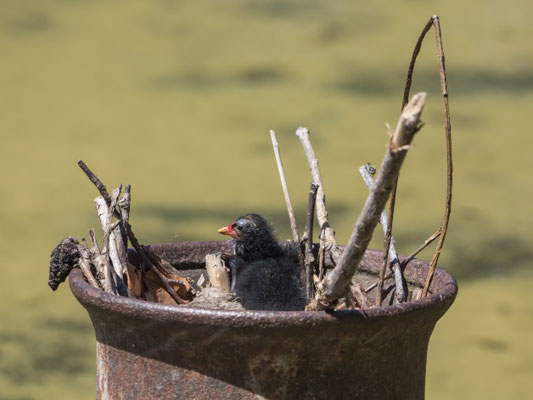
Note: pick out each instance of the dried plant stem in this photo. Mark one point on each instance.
(386, 253)
(404, 263)
(361, 296)
(321, 255)
(86, 269)
(124, 210)
(85, 264)
(338, 280)
(309, 259)
(427, 242)
(366, 172)
(435, 22)
(321, 212)
(292, 219)
(148, 259)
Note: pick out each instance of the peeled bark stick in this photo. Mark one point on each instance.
(85, 262)
(102, 210)
(366, 172)
(124, 210)
(338, 280)
(309, 259)
(321, 212)
(217, 271)
(292, 219)
(115, 245)
(86, 269)
(108, 227)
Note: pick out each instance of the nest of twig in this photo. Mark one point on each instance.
(155, 279)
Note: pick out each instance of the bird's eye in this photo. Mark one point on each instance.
(239, 227)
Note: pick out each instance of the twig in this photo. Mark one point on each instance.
(124, 209)
(349, 300)
(108, 227)
(338, 280)
(86, 269)
(449, 175)
(422, 247)
(366, 172)
(292, 219)
(118, 266)
(321, 255)
(98, 183)
(434, 21)
(386, 252)
(94, 242)
(102, 273)
(321, 212)
(361, 295)
(148, 259)
(167, 286)
(308, 239)
(84, 262)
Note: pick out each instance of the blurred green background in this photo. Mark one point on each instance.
(177, 98)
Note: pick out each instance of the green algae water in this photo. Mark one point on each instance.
(177, 99)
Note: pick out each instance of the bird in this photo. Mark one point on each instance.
(265, 275)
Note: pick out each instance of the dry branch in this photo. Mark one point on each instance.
(309, 259)
(292, 219)
(86, 269)
(360, 295)
(321, 212)
(103, 211)
(422, 247)
(97, 182)
(435, 22)
(366, 172)
(338, 281)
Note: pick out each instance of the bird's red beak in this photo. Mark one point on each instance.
(228, 230)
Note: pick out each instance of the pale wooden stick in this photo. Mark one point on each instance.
(366, 172)
(102, 273)
(84, 262)
(108, 230)
(338, 280)
(111, 249)
(102, 210)
(292, 219)
(217, 271)
(321, 212)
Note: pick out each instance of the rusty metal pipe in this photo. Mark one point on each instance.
(150, 350)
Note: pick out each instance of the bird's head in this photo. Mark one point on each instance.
(246, 227)
(253, 238)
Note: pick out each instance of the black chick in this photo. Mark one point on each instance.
(265, 276)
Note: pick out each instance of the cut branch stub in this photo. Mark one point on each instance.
(338, 280)
(321, 212)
